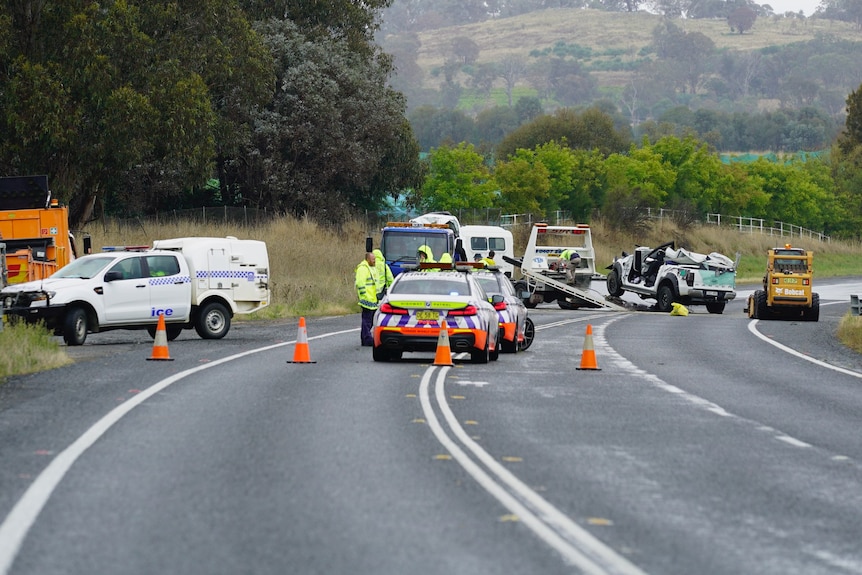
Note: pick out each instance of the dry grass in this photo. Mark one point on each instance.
(601, 31)
(850, 332)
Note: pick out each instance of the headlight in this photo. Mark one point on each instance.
(43, 296)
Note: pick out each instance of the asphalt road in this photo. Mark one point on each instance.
(698, 446)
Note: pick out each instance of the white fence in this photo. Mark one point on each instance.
(741, 223)
(766, 227)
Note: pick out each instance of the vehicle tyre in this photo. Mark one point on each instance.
(615, 285)
(481, 356)
(171, 331)
(379, 354)
(529, 334)
(664, 298)
(521, 286)
(760, 311)
(565, 304)
(715, 306)
(814, 313)
(213, 321)
(507, 346)
(495, 354)
(75, 326)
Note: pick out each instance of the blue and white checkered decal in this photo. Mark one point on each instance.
(169, 280)
(227, 274)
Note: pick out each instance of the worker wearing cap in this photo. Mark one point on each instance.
(382, 274)
(366, 289)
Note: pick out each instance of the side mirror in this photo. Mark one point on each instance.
(113, 276)
(525, 295)
(495, 299)
(369, 244)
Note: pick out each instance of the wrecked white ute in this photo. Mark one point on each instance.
(667, 275)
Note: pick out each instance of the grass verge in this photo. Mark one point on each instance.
(35, 349)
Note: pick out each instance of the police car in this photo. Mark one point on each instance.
(192, 282)
(418, 303)
(516, 329)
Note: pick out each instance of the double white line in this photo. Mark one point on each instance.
(575, 544)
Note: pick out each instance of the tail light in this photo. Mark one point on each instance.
(469, 310)
(386, 308)
(500, 306)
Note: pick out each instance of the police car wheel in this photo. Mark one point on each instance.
(213, 321)
(75, 327)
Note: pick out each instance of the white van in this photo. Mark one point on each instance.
(482, 239)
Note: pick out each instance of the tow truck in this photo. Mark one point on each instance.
(400, 241)
(547, 276)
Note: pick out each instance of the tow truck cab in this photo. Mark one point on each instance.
(401, 240)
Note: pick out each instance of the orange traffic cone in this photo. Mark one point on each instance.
(444, 353)
(300, 352)
(588, 359)
(160, 342)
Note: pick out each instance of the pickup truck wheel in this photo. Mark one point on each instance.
(75, 326)
(715, 306)
(213, 321)
(171, 331)
(664, 298)
(615, 286)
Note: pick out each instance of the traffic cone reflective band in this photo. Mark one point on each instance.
(588, 358)
(300, 352)
(444, 353)
(160, 342)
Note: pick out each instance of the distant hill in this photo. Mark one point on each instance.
(603, 31)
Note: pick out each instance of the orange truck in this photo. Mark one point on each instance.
(34, 228)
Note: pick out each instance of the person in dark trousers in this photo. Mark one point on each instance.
(366, 290)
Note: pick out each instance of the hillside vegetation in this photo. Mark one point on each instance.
(603, 31)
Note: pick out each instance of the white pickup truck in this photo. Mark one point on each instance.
(193, 282)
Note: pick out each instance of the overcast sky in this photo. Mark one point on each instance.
(782, 6)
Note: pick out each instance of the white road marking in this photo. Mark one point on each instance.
(17, 524)
(752, 327)
(601, 344)
(575, 544)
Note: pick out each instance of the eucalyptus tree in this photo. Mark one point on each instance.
(333, 137)
(123, 104)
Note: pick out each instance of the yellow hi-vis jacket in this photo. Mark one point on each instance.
(382, 272)
(366, 285)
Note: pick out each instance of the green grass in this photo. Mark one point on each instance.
(29, 349)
